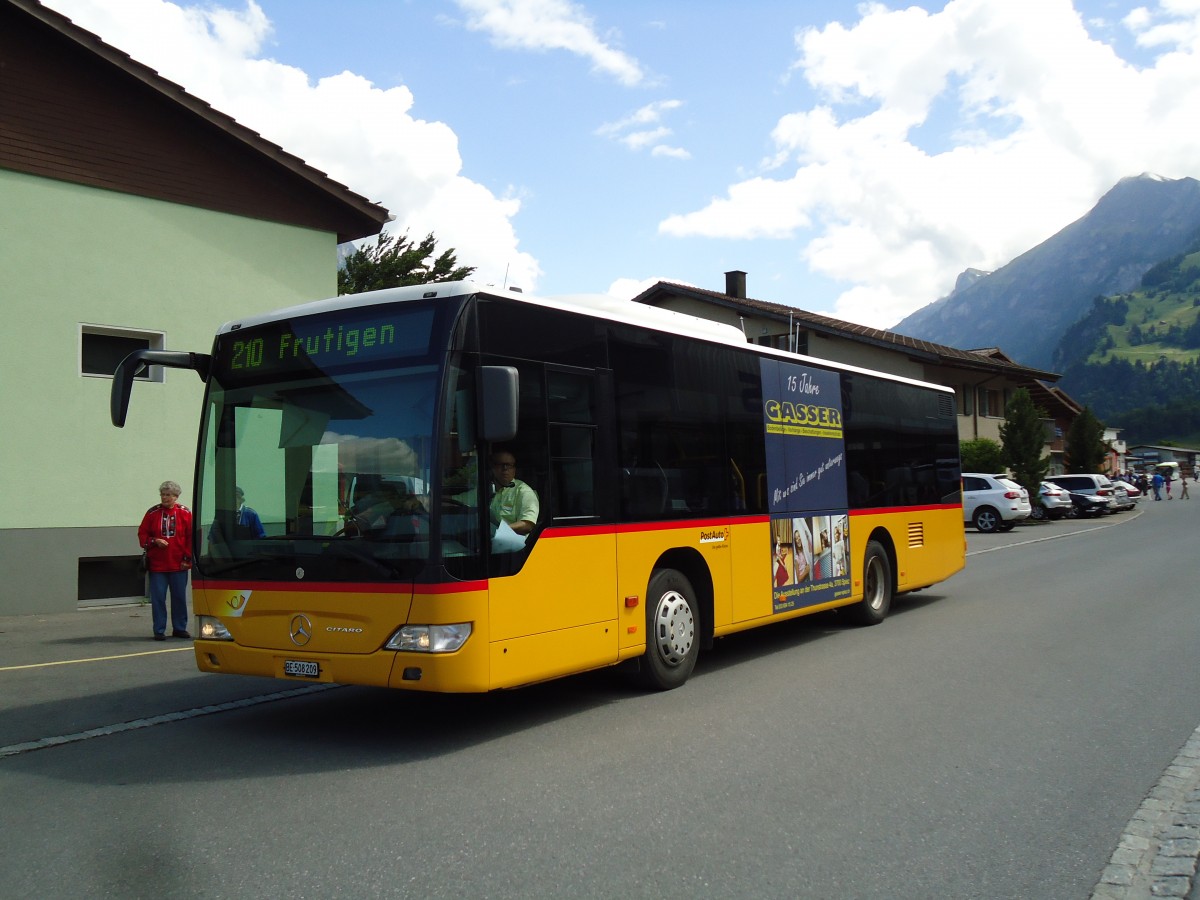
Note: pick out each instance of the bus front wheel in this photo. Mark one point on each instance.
(877, 587)
(672, 625)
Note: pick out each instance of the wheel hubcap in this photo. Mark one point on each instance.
(674, 628)
(874, 580)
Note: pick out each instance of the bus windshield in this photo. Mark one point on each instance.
(319, 447)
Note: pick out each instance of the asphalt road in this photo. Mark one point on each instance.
(991, 739)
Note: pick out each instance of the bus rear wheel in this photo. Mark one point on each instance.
(672, 631)
(877, 587)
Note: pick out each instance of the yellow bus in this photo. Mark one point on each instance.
(689, 485)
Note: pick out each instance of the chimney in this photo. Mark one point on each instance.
(735, 284)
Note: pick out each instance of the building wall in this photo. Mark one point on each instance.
(73, 485)
(867, 356)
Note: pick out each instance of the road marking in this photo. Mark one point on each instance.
(104, 730)
(71, 662)
(1056, 537)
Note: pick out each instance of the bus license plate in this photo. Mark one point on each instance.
(301, 667)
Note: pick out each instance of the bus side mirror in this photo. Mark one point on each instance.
(118, 399)
(498, 395)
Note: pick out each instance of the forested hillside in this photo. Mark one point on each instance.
(1135, 357)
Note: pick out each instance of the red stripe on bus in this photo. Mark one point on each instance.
(348, 587)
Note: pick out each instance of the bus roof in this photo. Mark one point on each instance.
(597, 304)
(600, 305)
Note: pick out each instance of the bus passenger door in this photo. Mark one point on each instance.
(557, 614)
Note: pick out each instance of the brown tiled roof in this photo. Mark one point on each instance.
(924, 350)
(356, 215)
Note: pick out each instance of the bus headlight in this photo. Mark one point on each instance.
(211, 629)
(430, 638)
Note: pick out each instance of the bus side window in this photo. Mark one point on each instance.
(570, 413)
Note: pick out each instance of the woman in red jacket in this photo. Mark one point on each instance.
(166, 536)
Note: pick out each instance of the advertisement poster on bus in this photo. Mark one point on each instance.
(806, 485)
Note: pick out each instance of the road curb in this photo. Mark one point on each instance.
(1157, 853)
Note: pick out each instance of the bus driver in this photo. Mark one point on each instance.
(514, 501)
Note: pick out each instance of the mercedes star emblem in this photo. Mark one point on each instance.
(301, 630)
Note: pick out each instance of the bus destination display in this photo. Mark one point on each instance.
(327, 342)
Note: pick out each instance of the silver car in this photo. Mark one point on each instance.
(1097, 485)
(1120, 497)
(1053, 502)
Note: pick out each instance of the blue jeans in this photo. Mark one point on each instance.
(177, 582)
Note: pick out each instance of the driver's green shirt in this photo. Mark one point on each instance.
(516, 502)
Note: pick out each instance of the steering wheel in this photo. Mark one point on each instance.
(354, 527)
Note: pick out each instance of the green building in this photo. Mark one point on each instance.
(133, 215)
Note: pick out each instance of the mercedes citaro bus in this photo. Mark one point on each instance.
(690, 485)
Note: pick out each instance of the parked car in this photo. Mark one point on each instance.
(1121, 497)
(993, 502)
(1052, 502)
(1094, 485)
(1088, 505)
(1134, 492)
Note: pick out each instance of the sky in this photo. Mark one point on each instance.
(852, 158)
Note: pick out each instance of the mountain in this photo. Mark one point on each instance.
(1025, 307)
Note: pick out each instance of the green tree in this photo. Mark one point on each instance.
(981, 455)
(1085, 444)
(1023, 436)
(395, 261)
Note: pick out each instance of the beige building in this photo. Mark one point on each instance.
(135, 215)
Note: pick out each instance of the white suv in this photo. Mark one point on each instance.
(993, 502)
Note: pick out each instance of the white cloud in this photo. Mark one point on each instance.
(361, 135)
(634, 133)
(670, 152)
(959, 138)
(550, 25)
(1173, 24)
(628, 288)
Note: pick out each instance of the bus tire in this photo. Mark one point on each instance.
(672, 631)
(877, 587)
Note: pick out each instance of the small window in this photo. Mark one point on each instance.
(101, 348)
(110, 578)
(991, 403)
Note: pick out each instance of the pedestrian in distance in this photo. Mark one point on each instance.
(1157, 481)
(1183, 491)
(166, 537)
